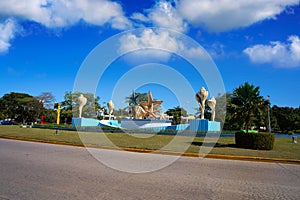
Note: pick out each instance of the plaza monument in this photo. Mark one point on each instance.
(81, 121)
(81, 102)
(146, 115)
(203, 124)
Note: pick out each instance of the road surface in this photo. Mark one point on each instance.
(45, 171)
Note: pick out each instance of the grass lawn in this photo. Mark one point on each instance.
(283, 147)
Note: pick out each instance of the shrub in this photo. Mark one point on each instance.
(261, 141)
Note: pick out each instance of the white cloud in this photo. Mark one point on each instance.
(162, 15)
(149, 39)
(97, 12)
(139, 17)
(34, 10)
(60, 13)
(7, 33)
(165, 15)
(216, 50)
(158, 45)
(224, 15)
(213, 15)
(277, 53)
(151, 43)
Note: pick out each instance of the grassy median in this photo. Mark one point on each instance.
(283, 148)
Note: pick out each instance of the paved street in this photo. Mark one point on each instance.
(44, 171)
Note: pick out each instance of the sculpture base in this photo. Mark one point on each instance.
(204, 125)
(94, 122)
(145, 123)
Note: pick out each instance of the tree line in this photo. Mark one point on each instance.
(24, 108)
(247, 109)
(244, 108)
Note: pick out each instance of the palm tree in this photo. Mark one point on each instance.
(246, 103)
(133, 99)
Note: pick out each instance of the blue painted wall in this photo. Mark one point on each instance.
(204, 125)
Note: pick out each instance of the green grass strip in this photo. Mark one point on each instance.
(283, 148)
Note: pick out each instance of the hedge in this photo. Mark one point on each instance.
(260, 140)
(82, 128)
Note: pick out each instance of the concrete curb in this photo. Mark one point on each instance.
(213, 156)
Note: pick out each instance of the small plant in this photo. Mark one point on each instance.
(261, 141)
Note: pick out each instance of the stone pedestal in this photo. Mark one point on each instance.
(204, 125)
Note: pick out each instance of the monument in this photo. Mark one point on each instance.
(81, 102)
(145, 114)
(212, 105)
(203, 124)
(145, 109)
(111, 107)
(80, 121)
(150, 106)
(201, 97)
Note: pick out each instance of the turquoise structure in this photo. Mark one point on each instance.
(94, 122)
(155, 125)
(204, 125)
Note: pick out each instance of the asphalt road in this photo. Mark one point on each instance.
(44, 171)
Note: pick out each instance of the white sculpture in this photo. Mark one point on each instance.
(201, 97)
(138, 112)
(111, 107)
(100, 113)
(164, 116)
(212, 105)
(81, 101)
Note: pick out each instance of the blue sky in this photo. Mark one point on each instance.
(43, 44)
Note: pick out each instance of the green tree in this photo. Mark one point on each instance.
(70, 107)
(231, 123)
(286, 117)
(297, 118)
(176, 112)
(121, 113)
(20, 106)
(246, 104)
(221, 107)
(50, 115)
(2, 116)
(47, 98)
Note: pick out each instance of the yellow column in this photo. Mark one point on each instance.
(58, 114)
